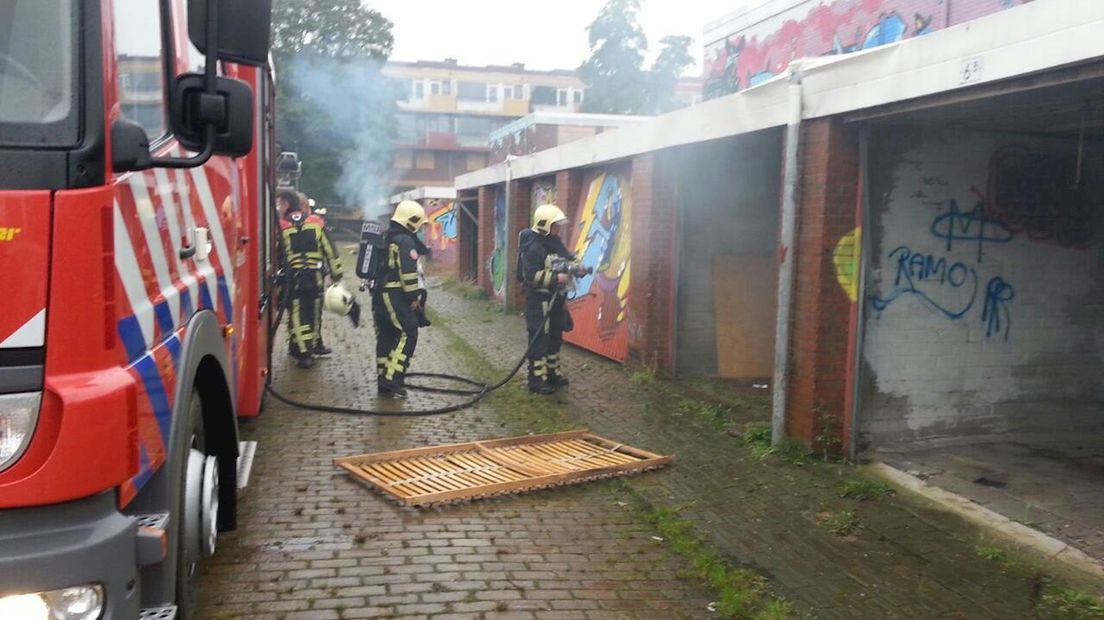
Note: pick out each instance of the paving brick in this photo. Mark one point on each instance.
(561, 553)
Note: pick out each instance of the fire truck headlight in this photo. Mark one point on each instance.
(18, 415)
(76, 603)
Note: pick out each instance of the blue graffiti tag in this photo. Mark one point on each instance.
(973, 226)
(915, 270)
(996, 315)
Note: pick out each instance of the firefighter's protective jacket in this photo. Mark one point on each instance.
(401, 271)
(305, 245)
(537, 253)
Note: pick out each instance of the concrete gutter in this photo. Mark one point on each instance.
(1016, 533)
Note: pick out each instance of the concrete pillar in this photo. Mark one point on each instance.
(653, 222)
(486, 238)
(816, 411)
(521, 195)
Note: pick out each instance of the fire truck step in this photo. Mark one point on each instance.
(152, 540)
(246, 451)
(168, 612)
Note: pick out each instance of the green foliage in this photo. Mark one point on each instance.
(673, 59)
(864, 489)
(844, 523)
(993, 554)
(616, 80)
(331, 28)
(741, 592)
(1066, 604)
(333, 106)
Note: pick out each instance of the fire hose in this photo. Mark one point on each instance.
(475, 392)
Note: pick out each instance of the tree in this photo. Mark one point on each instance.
(673, 59)
(614, 75)
(334, 107)
(333, 28)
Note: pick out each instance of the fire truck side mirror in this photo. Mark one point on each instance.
(129, 146)
(243, 29)
(230, 110)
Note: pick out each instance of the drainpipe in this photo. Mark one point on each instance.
(507, 285)
(788, 236)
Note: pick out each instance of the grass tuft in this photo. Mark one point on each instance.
(863, 489)
(843, 523)
(742, 593)
(1067, 604)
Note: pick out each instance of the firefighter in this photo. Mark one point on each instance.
(320, 349)
(545, 267)
(306, 251)
(398, 298)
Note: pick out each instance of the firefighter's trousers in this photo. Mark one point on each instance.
(544, 320)
(305, 310)
(396, 334)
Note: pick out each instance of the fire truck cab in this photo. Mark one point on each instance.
(137, 166)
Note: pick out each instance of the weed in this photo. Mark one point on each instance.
(758, 435)
(843, 523)
(741, 592)
(993, 554)
(1067, 604)
(642, 377)
(863, 489)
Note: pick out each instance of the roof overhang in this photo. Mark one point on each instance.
(1035, 37)
(425, 193)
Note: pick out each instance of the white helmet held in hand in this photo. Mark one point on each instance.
(338, 300)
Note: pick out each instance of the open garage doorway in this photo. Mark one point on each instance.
(982, 365)
(727, 196)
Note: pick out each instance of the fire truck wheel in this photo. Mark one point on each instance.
(199, 511)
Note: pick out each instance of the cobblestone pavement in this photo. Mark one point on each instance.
(906, 560)
(315, 544)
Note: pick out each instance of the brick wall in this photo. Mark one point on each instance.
(486, 237)
(821, 310)
(569, 184)
(986, 293)
(654, 246)
(521, 195)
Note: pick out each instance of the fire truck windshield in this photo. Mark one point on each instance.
(38, 73)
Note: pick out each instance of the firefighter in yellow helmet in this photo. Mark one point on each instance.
(306, 250)
(398, 298)
(320, 349)
(545, 268)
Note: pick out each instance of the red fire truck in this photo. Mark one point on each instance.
(136, 172)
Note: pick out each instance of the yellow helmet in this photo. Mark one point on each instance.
(410, 214)
(545, 216)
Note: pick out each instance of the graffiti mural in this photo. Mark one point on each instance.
(814, 28)
(952, 288)
(442, 230)
(601, 241)
(846, 260)
(544, 193)
(498, 258)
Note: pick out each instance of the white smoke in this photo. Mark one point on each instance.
(356, 128)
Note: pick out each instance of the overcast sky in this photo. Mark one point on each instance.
(544, 34)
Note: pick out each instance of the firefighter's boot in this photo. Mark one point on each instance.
(390, 388)
(556, 380)
(305, 362)
(321, 350)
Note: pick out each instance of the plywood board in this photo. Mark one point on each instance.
(745, 302)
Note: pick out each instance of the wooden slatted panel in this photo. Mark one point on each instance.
(456, 472)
